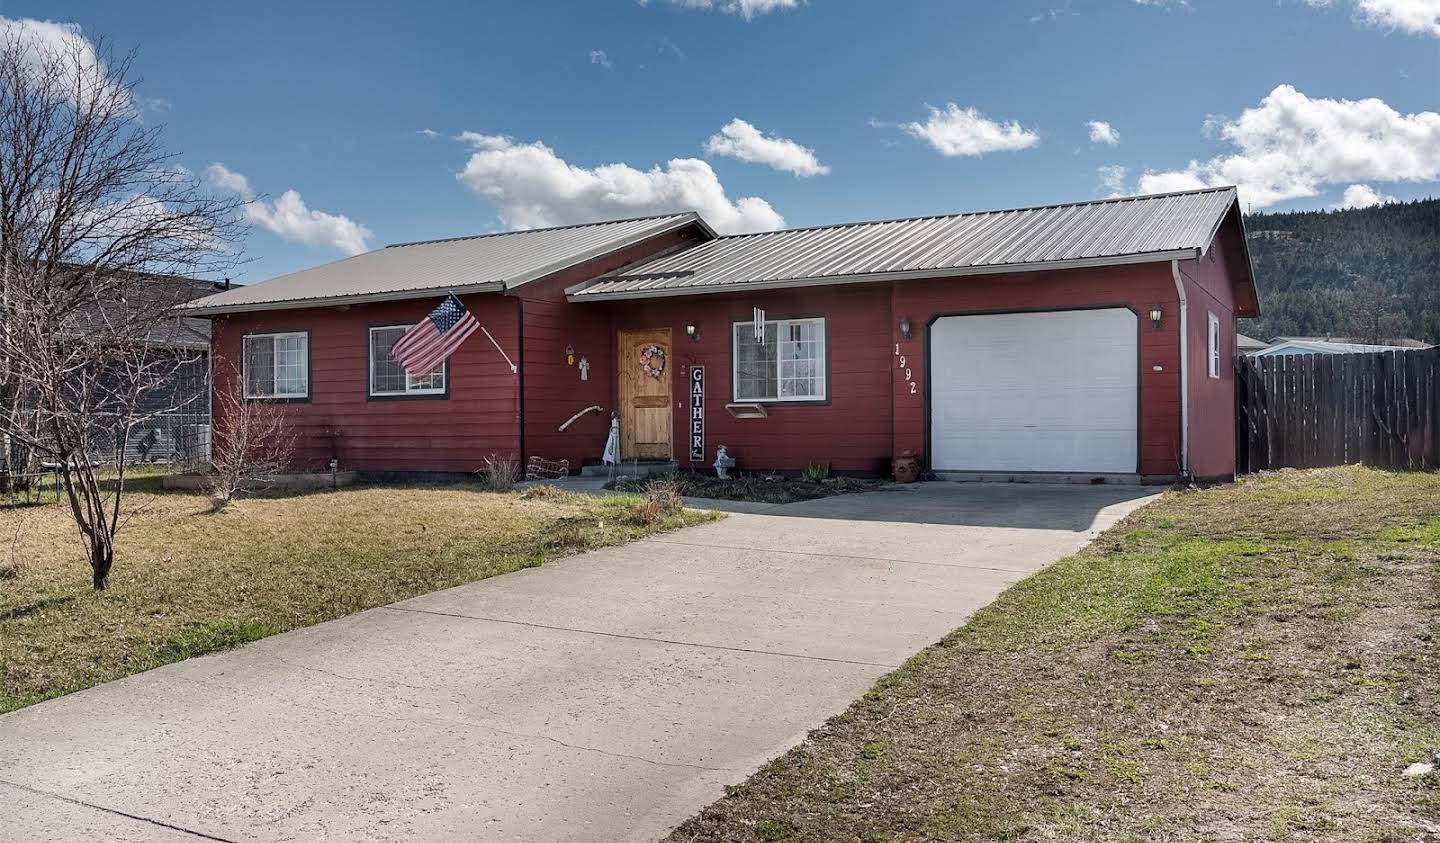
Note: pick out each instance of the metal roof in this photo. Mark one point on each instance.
(483, 263)
(1104, 232)
(1301, 346)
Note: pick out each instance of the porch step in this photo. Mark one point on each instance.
(631, 468)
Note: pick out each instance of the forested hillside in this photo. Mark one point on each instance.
(1363, 272)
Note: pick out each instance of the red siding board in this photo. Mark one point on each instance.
(481, 413)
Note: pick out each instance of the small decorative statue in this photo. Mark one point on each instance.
(723, 463)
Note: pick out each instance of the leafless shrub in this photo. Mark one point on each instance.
(662, 499)
(498, 472)
(251, 442)
(92, 208)
(570, 537)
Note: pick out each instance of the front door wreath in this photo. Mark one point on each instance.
(652, 360)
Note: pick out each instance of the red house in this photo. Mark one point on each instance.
(1094, 338)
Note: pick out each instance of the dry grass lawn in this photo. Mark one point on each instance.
(188, 581)
(1253, 662)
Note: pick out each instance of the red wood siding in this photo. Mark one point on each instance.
(553, 389)
(450, 434)
(851, 430)
(1212, 400)
(1137, 287)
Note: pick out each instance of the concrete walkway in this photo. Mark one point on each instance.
(606, 696)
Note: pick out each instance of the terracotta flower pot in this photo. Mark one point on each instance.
(905, 468)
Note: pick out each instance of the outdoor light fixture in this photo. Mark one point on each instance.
(905, 326)
(1155, 315)
(691, 331)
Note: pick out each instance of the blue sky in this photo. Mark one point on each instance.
(1306, 103)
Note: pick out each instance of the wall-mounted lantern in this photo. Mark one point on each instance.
(1156, 314)
(905, 327)
(692, 331)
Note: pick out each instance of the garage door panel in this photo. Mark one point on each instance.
(1035, 392)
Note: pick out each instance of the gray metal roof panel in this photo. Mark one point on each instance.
(1110, 229)
(488, 261)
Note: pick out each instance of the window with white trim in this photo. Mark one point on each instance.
(388, 377)
(788, 366)
(277, 365)
(1214, 323)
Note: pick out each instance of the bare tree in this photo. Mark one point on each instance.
(251, 444)
(91, 208)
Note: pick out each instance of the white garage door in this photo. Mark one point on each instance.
(1035, 392)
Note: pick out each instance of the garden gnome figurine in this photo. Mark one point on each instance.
(723, 463)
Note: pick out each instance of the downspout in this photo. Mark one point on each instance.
(520, 374)
(1184, 370)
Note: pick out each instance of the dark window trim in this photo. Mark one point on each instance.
(370, 395)
(782, 402)
(309, 368)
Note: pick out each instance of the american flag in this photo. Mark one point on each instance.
(423, 348)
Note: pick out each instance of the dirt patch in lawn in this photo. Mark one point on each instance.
(188, 581)
(1257, 661)
(757, 487)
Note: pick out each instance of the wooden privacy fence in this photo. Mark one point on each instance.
(1313, 410)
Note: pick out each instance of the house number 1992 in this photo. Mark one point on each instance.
(909, 375)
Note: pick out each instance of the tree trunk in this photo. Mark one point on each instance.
(102, 556)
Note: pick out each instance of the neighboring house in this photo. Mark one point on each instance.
(1280, 346)
(179, 430)
(1249, 345)
(1094, 338)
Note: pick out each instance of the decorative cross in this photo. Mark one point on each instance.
(584, 367)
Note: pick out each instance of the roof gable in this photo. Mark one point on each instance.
(482, 263)
(1111, 231)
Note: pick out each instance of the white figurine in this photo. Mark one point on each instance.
(723, 463)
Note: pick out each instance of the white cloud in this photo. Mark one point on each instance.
(1165, 4)
(601, 58)
(1112, 179)
(746, 9)
(1363, 196)
(1421, 17)
(743, 142)
(44, 40)
(1291, 146)
(957, 131)
(223, 178)
(1102, 132)
(289, 217)
(532, 187)
(427, 133)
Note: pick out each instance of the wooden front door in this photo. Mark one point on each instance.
(645, 395)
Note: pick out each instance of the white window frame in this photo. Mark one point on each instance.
(274, 363)
(1214, 344)
(823, 362)
(410, 380)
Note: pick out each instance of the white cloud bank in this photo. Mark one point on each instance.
(955, 131)
(532, 187)
(1102, 132)
(1363, 196)
(746, 9)
(1418, 17)
(1292, 146)
(743, 142)
(289, 217)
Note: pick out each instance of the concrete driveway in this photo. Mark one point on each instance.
(604, 697)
